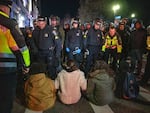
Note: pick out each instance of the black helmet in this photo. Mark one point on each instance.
(6, 3)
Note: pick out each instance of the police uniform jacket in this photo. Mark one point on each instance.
(94, 38)
(74, 39)
(45, 40)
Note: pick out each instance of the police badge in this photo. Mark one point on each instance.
(46, 35)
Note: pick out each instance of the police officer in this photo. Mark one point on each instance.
(74, 42)
(112, 47)
(93, 43)
(12, 47)
(58, 32)
(48, 45)
(66, 28)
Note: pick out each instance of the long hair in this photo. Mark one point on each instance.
(102, 65)
(71, 66)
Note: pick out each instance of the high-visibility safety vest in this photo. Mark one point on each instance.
(112, 43)
(148, 42)
(7, 58)
(8, 42)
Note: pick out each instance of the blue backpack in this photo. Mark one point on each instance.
(130, 86)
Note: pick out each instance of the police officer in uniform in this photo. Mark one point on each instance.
(58, 32)
(12, 47)
(48, 45)
(93, 43)
(74, 42)
(112, 47)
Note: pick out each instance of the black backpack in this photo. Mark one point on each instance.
(130, 86)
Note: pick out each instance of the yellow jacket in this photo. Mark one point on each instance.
(112, 42)
(8, 47)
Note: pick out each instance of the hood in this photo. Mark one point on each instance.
(99, 74)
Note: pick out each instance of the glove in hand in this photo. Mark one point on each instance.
(67, 49)
(78, 51)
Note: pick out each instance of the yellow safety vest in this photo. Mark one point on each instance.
(112, 43)
(148, 42)
(7, 58)
(11, 43)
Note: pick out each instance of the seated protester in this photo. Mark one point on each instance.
(100, 85)
(40, 93)
(70, 82)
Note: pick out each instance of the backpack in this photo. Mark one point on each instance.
(130, 86)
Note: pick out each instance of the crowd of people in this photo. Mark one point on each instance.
(88, 54)
(79, 59)
(86, 43)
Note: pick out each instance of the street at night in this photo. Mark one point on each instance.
(74, 56)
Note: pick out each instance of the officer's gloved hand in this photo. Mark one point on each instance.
(78, 51)
(67, 49)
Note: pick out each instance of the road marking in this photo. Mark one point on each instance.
(101, 109)
(145, 93)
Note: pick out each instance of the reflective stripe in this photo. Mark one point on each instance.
(23, 48)
(7, 59)
(26, 57)
(4, 14)
(8, 64)
(7, 55)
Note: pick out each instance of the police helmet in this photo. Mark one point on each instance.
(121, 23)
(75, 20)
(97, 21)
(112, 25)
(54, 18)
(41, 18)
(7, 3)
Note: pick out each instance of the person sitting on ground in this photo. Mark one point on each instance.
(100, 85)
(70, 82)
(40, 93)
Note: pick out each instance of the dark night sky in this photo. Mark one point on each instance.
(62, 7)
(59, 7)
